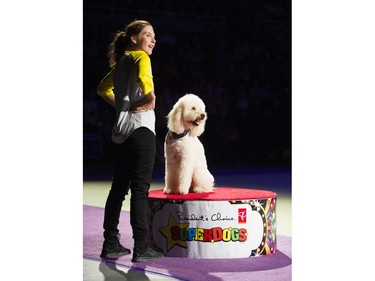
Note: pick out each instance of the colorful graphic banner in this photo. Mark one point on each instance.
(213, 229)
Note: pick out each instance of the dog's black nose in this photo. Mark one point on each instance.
(203, 116)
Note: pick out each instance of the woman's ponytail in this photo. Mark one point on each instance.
(117, 47)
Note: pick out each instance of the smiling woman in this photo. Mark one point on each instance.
(129, 88)
(144, 41)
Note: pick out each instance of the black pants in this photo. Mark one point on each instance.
(134, 162)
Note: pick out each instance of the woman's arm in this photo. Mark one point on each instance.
(145, 81)
(105, 89)
(147, 103)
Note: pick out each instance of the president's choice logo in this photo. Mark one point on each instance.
(242, 215)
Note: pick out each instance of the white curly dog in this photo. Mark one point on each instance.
(185, 161)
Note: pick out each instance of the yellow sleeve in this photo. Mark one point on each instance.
(144, 79)
(105, 87)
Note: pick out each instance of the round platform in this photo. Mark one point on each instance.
(226, 223)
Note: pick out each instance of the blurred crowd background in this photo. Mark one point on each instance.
(235, 55)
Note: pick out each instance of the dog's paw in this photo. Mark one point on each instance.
(175, 191)
(182, 192)
(197, 189)
(167, 190)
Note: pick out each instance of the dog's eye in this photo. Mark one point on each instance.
(193, 108)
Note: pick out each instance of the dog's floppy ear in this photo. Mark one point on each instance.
(175, 121)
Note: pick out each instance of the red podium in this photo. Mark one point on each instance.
(226, 223)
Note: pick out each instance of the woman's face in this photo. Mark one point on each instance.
(145, 40)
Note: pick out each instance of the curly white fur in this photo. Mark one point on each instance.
(186, 166)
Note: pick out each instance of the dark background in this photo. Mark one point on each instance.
(235, 55)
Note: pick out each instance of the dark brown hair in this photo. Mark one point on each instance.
(121, 40)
